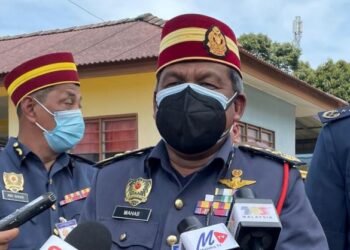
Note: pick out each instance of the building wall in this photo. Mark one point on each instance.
(269, 112)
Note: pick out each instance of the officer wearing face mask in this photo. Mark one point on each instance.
(194, 170)
(46, 93)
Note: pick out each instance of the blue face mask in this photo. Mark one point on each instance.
(68, 132)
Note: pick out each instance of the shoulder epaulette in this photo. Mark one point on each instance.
(122, 156)
(80, 158)
(333, 115)
(269, 153)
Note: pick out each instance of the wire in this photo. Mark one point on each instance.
(82, 8)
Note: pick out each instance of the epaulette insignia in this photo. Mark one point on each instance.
(272, 154)
(122, 156)
(80, 158)
(333, 115)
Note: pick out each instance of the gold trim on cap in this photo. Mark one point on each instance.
(192, 35)
(38, 72)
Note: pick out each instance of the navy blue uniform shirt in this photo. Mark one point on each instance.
(301, 229)
(328, 179)
(67, 175)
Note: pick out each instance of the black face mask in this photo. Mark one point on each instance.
(191, 122)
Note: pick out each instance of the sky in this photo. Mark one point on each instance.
(326, 23)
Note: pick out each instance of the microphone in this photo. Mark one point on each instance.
(254, 222)
(86, 236)
(25, 213)
(90, 236)
(193, 236)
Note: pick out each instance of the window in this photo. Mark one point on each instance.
(254, 134)
(105, 137)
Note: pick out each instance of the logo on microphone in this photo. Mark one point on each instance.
(54, 248)
(211, 239)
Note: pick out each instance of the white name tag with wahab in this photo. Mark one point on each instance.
(132, 213)
(14, 196)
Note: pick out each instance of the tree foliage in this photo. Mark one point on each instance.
(331, 77)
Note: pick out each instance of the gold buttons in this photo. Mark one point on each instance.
(53, 207)
(171, 240)
(179, 204)
(122, 237)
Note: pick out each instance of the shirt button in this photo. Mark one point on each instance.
(50, 181)
(179, 204)
(171, 240)
(122, 237)
(53, 207)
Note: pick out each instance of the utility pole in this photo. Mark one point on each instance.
(297, 31)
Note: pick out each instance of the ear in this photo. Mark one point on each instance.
(239, 106)
(27, 107)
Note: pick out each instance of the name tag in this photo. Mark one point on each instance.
(14, 196)
(132, 213)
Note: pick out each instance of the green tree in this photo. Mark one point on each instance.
(334, 78)
(305, 72)
(285, 56)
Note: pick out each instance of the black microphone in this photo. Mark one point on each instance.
(193, 236)
(25, 213)
(254, 222)
(90, 236)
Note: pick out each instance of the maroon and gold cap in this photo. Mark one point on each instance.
(198, 37)
(39, 73)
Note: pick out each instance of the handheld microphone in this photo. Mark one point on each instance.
(193, 236)
(25, 213)
(86, 236)
(254, 222)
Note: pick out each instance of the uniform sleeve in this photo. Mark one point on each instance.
(325, 187)
(300, 226)
(89, 209)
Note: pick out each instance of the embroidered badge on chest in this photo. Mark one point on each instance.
(14, 183)
(236, 181)
(137, 191)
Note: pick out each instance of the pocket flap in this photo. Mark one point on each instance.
(127, 233)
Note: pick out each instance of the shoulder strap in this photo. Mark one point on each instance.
(122, 156)
(334, 115)
(269, 153)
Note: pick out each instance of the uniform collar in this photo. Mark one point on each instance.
(160, 155)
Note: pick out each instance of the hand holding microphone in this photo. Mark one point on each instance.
(6, 237)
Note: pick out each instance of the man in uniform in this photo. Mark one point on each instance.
(142, 196)
(328, 179)
(46, 93)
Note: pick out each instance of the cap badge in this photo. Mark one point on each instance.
(215, 42)
(137, 191)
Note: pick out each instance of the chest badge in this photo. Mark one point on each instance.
(13, 182)
(236, 181)
(137, 191)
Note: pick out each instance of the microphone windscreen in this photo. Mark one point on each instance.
(90, 236)
(244, 193)
(188, 224)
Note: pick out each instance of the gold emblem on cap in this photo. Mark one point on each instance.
(331, 114)
(236, 181)
(215, 42)
(137, 191)
(13, 182)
